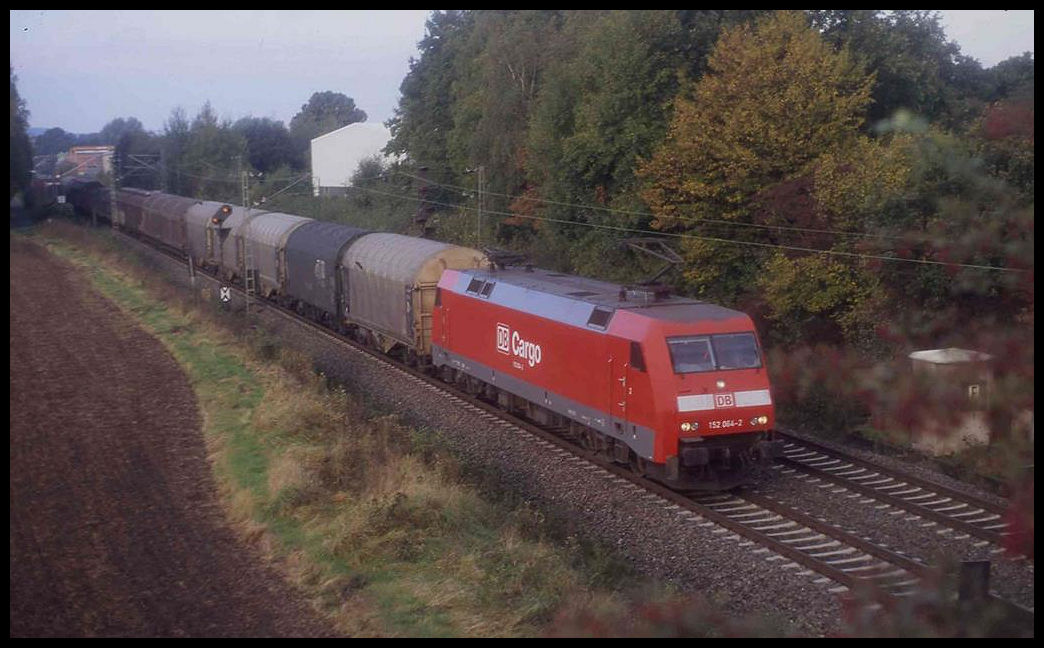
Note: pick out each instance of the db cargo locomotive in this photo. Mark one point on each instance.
(674, 387)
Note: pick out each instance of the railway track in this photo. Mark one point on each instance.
(807, 544)
(937, 503)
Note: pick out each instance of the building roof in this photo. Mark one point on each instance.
(950, 356)
(357, 126)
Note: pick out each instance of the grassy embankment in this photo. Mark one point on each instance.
(371, 520)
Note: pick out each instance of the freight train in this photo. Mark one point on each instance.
(674, 387)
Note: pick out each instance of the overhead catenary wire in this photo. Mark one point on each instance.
(641, 231)
(630, 230)
(628, 212)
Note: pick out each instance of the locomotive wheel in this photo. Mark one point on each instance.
(638, 465)
(589, 439)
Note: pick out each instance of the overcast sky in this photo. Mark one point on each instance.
(81, 69)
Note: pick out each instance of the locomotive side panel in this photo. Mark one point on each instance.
(554, 359)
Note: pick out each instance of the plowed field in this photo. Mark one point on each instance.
(115, 527)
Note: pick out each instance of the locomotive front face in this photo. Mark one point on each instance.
(720, 384)
(705, 377)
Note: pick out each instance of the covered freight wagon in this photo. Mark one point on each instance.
(203, 236)
(263, 238)
(163, 219)
(130, 206)
(228, 239)
(391, 283)
(312, 252)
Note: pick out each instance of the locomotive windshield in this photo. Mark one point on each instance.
(693, 354)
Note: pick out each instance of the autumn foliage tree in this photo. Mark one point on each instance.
(750, 170)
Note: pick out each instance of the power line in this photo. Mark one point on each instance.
(630, 230)
(651, 215)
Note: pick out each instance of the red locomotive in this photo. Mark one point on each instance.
(675, 387)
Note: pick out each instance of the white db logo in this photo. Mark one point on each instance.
(724, 400)
(503, 339)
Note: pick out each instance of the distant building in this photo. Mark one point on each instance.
(90, 160)
(337, 154)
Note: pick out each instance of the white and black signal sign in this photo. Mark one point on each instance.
(226, 294)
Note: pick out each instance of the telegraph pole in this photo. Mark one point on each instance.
(481, 170)
(481, 186)
(113, 211)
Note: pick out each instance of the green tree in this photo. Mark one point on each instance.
(175, 143)
(325, 112)
(21, 149)
(269, 143)
(203, 158)
(916, 67)
(52, 141)
(137, 152)
(120, 128)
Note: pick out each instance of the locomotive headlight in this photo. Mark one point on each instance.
(763, 419)
(685, 427)
(720, 384)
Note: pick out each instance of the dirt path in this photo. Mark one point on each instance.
(115, 529)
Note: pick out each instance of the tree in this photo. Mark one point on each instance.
(916, 67)
(175, 142)
(202, 158)
(269, 144)
(423, 119)
(325, 112)
(137, 152)
(776, 97)
(54, 140)
(21, 149)
(120, 128)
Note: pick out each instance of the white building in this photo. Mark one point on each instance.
(337, 154)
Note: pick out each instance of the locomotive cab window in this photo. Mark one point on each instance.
(487, 289)
(736, 351)
(698, 353)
